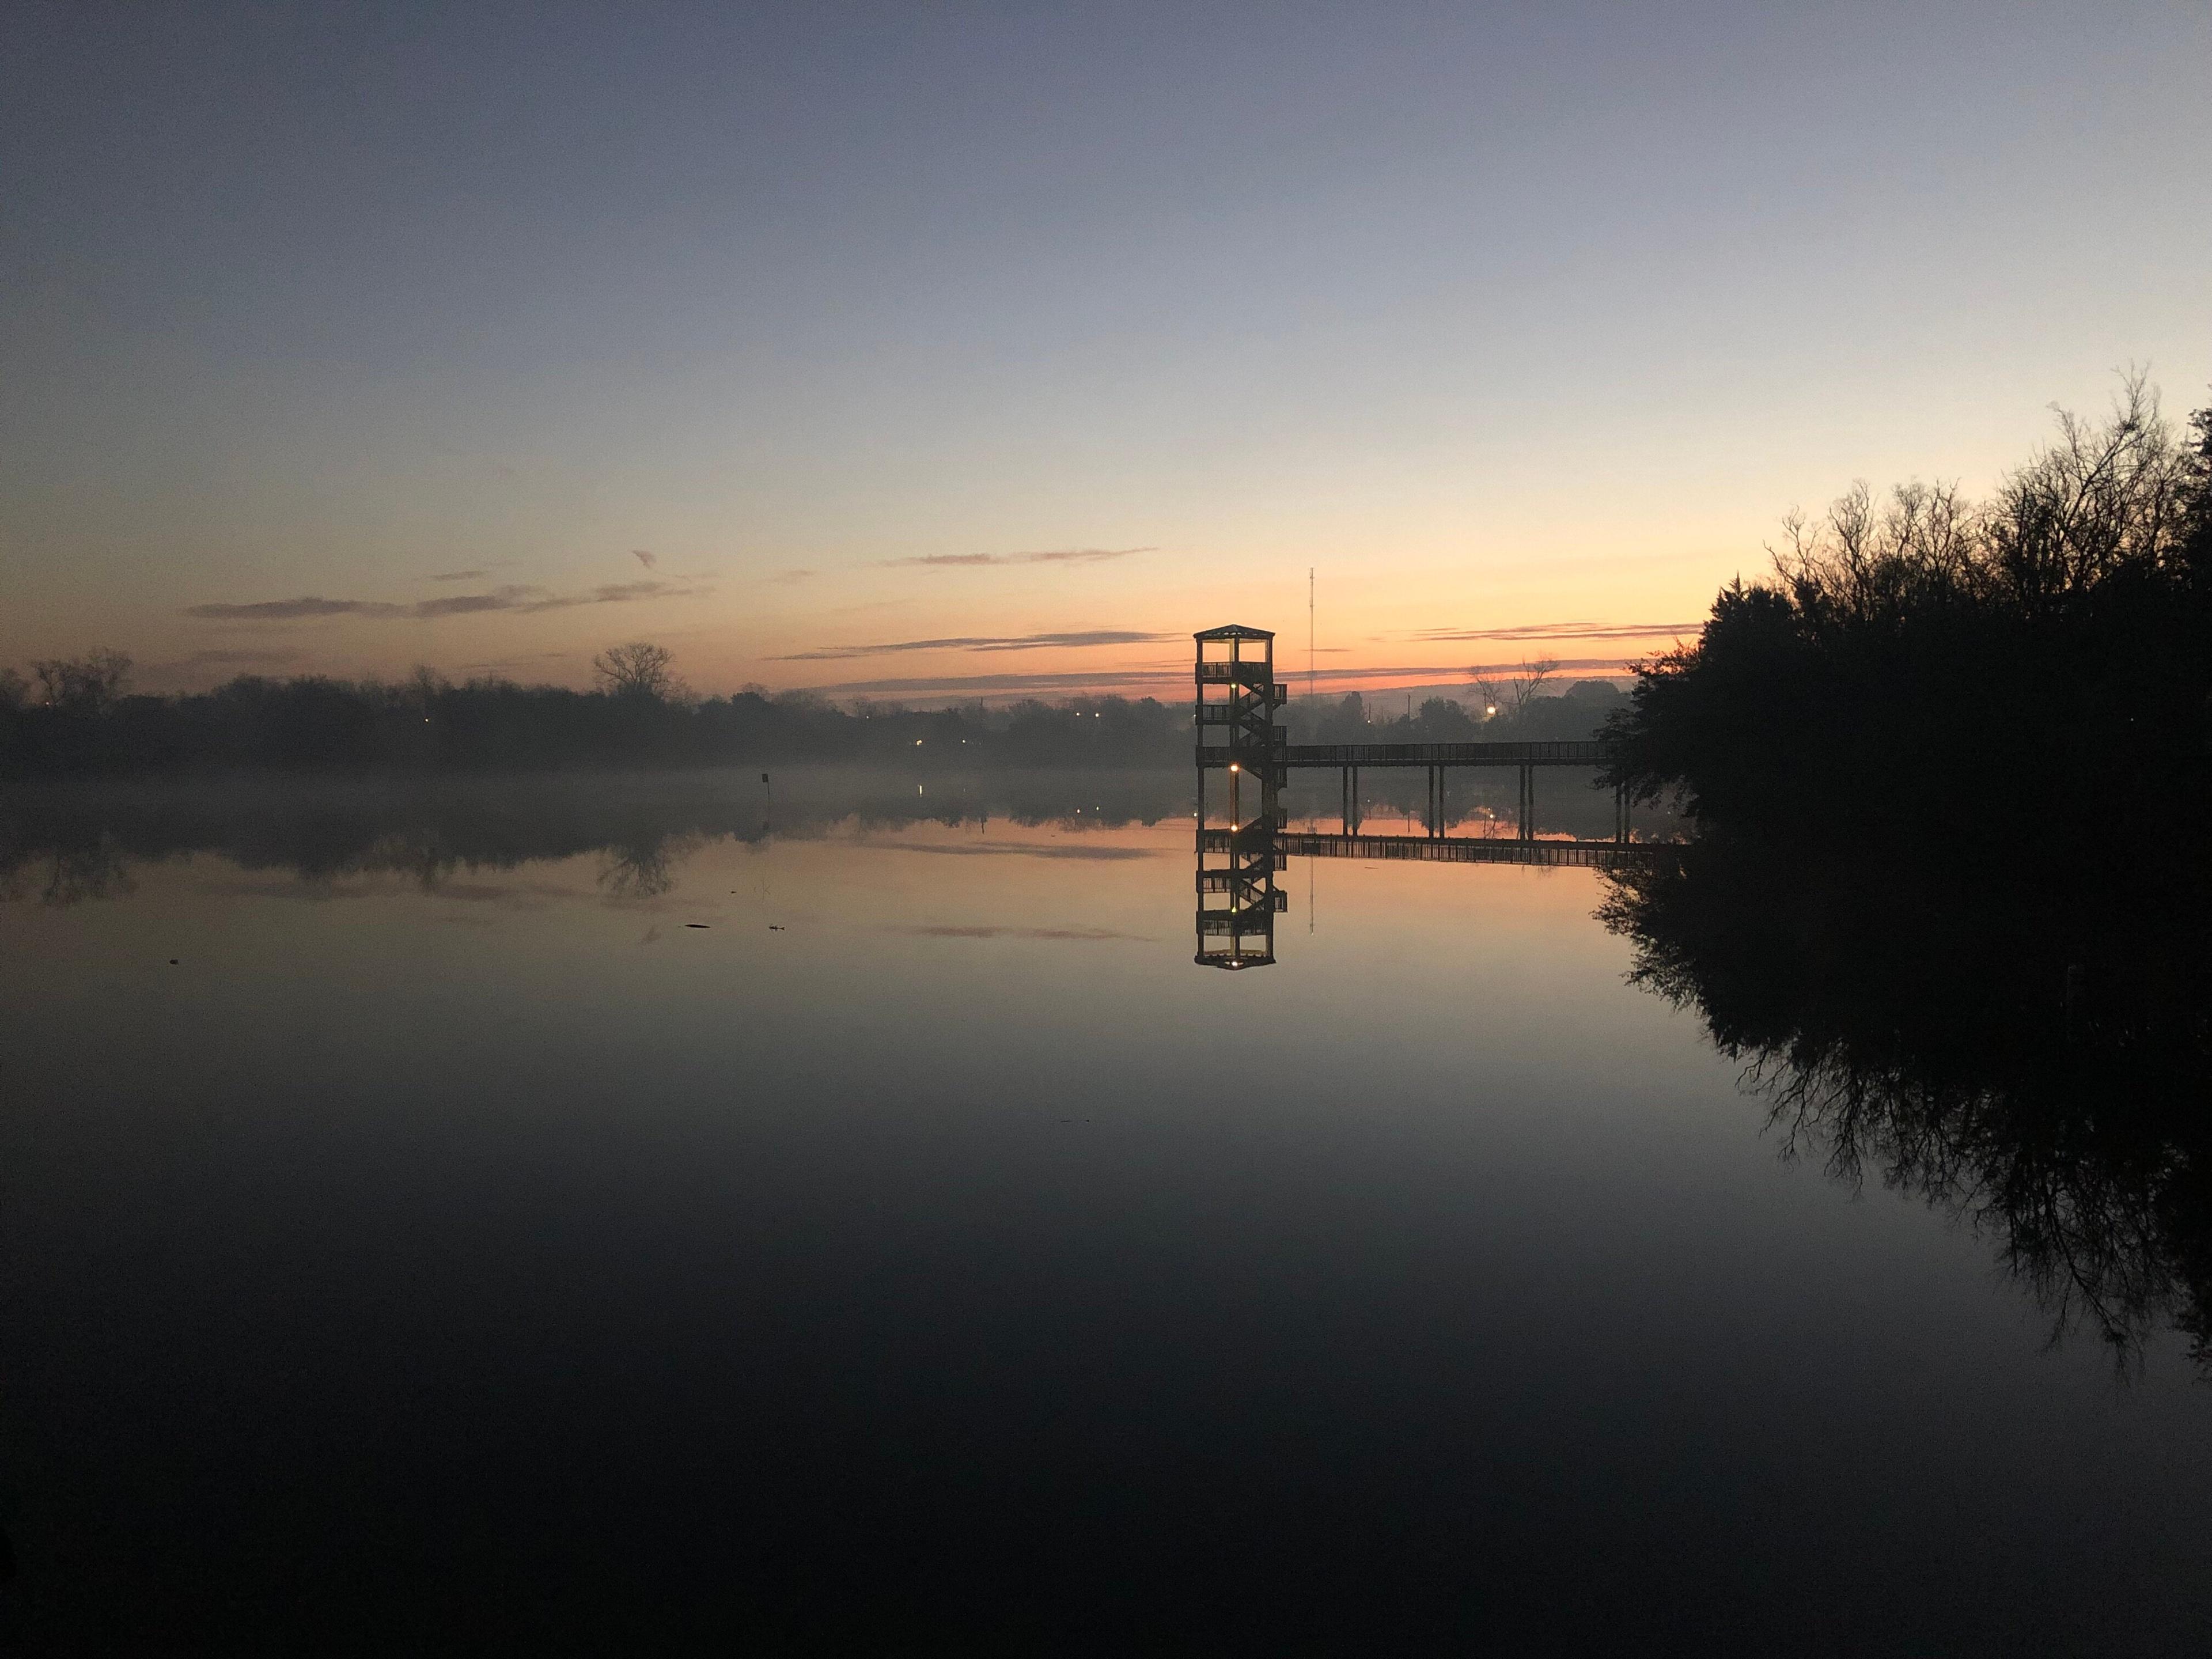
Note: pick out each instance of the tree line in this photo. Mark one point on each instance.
(1493, 712)
(2037, 663)
(77, 716)
(1947, 898)
(81, 719)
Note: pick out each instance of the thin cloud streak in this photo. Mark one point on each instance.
(1049, 555)
(1176, 680)
(1011, 684)
(979, 643)
(1025, 849)
(287, 609)
(1603, 664)
(194, 666)
(311, 607)
(1084, 934)
(240, 659)
(1532, 632)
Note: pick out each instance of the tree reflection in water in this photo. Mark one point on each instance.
(2021, 1047)
(88, 867)
(644, 865)
(76, 842)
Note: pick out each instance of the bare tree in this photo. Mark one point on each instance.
(1530, 680)
(2103, 498)
(1490, 692)
(636, 670)
(14, 690)
(84, 684)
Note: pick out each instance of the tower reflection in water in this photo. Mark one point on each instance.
(2020, 1039)
(1243, 837)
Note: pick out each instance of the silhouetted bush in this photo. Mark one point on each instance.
(1933, 666)
(1947, 898)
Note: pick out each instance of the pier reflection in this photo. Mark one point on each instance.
(1239, 899)
(1243, 838)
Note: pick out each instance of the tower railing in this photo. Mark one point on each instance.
(1237, 900)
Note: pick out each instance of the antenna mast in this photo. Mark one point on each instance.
(1309, 632)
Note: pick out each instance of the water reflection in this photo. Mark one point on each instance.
(1237, 858)
(919, 1245)
(1239, 901)
(645, 869)
(64, 846)
(2025, 1049)
(2027, 1052)
(85, 867)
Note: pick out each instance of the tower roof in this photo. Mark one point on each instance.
(1233, 631)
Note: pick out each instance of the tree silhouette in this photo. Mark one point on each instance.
(1491, 697)
(1530, 680)
(1905, 650)
(87, 684)
(639, 669)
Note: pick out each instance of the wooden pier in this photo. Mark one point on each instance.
(1237, 733)
(1237, 860)
(1476, 849)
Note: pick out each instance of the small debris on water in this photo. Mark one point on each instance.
(173, 962)
(694, 924)
(775, 927)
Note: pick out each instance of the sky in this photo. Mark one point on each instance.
(924, 351)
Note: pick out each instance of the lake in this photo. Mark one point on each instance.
(647, 1214)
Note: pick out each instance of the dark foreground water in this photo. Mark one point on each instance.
(573, 1220)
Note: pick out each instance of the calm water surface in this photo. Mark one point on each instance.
(878, 1234)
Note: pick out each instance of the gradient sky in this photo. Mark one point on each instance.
(1029, 338)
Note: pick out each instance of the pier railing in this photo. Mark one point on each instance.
(1562, 752)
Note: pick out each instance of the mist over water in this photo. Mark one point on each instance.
(1060, 830)
(604, 1214)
